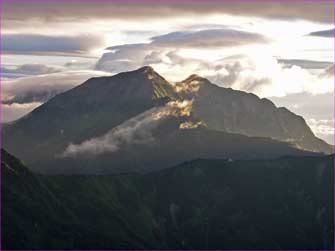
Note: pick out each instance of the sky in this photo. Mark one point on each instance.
(283, 51)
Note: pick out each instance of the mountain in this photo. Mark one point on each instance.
(26, 203)
(118, 117)
(232, 111)
(87, 110)
(279, 204)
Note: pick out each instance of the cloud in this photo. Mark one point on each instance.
(323, 129)
(306, 64)
(11, 112)
(328, 72)
(20, 96)
(262, 74)
(215, 38)
(163, 49)
(187, 86)
(42, 44)
(131, 57)
(323, 33)
(313, 108)
(123, 58)
(137, 130)
(322, 126)
(15, 13)
(40, 88)
(79, 65)
(265, 76)
(319, 106)
(27, 69)
(191, 125)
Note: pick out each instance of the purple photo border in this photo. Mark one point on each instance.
(149, 1)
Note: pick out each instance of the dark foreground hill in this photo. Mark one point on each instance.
(203, 204)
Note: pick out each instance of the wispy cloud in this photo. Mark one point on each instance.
(324, 33)
(306, 64)
(22, 95)
(42, 44)
(215, 38)
(27, 70)
(137, 130)
(42, 87)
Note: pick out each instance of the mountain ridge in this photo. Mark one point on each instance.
(237, 204)
(92, 109)
(250, 115)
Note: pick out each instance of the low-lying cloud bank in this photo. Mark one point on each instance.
(27, 70)
(22, 95)
(306, 64)
(43, 87)
(11, 112)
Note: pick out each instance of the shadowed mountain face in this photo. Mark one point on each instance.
(283, 204)
(115, 124)
(228, 110)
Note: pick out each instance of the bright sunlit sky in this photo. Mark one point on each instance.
(282, 51)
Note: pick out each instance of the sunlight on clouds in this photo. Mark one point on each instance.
(255, 70)
(304, 47)
(285, 29)
(323, 129)
(324, 126)
(278, 81)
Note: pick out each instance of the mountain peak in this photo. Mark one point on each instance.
(152, 82)
(194, 77)
(149, 73)
(191, 84)
(146, 70)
